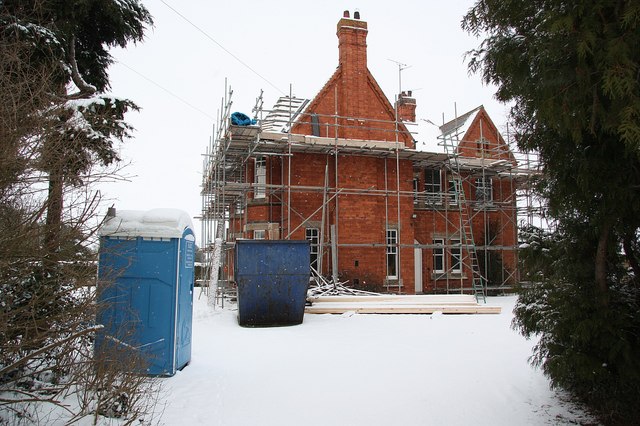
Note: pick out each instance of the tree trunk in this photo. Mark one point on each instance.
(630, 255)
(54, 215)
(601, 264)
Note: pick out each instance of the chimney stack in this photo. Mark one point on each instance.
(352, 48)
(352, 41)
(406, 106)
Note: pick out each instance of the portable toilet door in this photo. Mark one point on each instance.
(146, 274)
(184, 313)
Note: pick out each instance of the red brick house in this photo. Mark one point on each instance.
(347, 171)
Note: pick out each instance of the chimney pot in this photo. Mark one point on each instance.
(356, 15)
(345, 14)
(409, 92)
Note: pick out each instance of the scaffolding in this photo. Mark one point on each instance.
(490, 258)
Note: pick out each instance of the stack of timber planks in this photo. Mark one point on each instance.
(399, 304)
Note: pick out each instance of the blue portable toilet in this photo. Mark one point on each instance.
(145, 290)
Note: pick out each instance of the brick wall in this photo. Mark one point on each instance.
(362, 217)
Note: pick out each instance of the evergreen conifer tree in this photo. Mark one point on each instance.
(58, 128)
(571, 70)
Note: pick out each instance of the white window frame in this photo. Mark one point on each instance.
(433, 189)
(455, 256)
(260, 177)
(392, 253)
(259, 234)
(484, 190)
(313, 236)
(453, 189)
(438, 253)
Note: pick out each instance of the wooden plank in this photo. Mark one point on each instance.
(388, 304)
(400, 304)
(388, 297)
(455, 299)
(332, 308)
(392, 303)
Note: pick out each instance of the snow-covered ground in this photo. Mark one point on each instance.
(362, 370)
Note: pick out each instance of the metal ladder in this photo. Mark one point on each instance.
(478, 282)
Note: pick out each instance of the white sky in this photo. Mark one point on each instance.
(286, 42)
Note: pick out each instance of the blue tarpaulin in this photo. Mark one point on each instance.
(240, 119)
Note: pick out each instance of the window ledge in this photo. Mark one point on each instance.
(447, 276)
(258, 201)
(485, 206)
(393, 282)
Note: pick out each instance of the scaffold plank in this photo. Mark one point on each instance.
(398, 304)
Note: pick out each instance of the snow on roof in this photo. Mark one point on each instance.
(427, 136)
(284, 111)
(157, 223)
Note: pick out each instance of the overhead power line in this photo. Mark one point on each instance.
(222, 47)
(190, 105)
